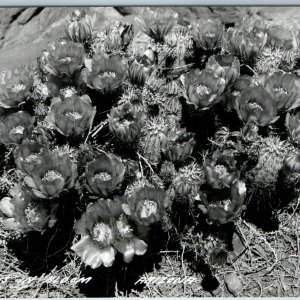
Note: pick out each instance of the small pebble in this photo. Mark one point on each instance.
(233, 284)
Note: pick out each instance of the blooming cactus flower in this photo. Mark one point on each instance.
(66, 58)
(229, 209)
(256, 103)
(16, 87)
(146, 205)
(246, 46)
(292, 163)
(126, 122)
(104, 230)
(221, 171)
(207, 33)
(80, 26)
(157, 23)
(284, 88)
(16, 127)
(233, 91)
(118, 36)
(180, 144)
(72, 116)
(292, 123)
(280, 36)
(54, 174)
(226, 66)
(104, 174)
(202, 88)
(108, 73)
(26, 212)
(27, 155)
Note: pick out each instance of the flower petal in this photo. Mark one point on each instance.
(107, 256)
(6, 207)
(127, 249)
(30, 182)
(140, 247)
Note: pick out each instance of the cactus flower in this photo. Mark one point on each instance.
(54, 174)
(104, 230)
(104, 174)
(16, 127)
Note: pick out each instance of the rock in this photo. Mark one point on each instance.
(233, 284)
(24, 33)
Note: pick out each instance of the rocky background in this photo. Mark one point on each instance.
(24, 32)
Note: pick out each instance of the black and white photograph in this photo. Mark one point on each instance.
(149, 151)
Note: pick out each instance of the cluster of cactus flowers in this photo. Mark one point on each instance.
(200, 115)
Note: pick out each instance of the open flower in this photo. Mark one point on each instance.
(246, 46)
(292, 163)
(104, 230)
(126, 122)
(108, 73)
(64, 65)
(118, 36)
(27, 155)
(158, 22)
(16, 127)
(180, 144)
(104, 174)
(202, 88)
(80, 26)
(207, 33)
(233, 91)
(54, 174)
(292, 123)
(146, 205)
(26, 212)
(16, 87)
(66, 58)
(284, 88)
(72, 116)
(221, 171)
(280, 36)
(226, 210)
(226, 66)
(255, 103)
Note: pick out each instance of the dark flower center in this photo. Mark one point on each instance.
(148, 208)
